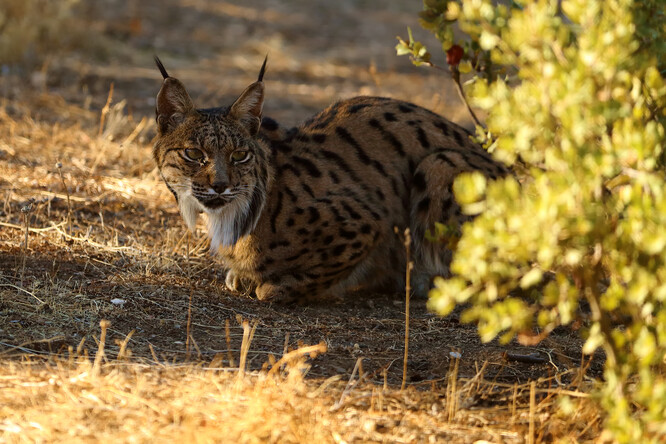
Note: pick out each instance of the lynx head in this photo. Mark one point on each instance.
(212, 160)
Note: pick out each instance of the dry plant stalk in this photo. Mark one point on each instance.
(530, 435)
(312, 350)
(408, 290)
(69, 202)
(105, 110)
(26, 218)
(189, 325)
(97, 365)
(452, 389)
(123, 346)
(227, 333)
(248, 335)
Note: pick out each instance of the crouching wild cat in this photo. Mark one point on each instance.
(312, 209)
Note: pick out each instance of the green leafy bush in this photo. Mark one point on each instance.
(575, 94)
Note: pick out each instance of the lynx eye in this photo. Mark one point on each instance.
(194, 155)
(240, 156)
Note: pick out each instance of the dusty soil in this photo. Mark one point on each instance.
(127, 257)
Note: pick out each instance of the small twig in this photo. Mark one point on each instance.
(285, 349)
(227, 332)
(69, 203)
(311, 350)
(350, 385)
(23, 290)
(104, 325)
(248, 334)
(530, 436)
(26, 218)
(105, 110)
(408, 290)
(32, 230)
(452, 389)
(455, 75)
(123, 345)
(189, 324)
(530, 358)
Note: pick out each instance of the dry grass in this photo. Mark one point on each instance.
(90, 237)
(126, 243)
(66, 399)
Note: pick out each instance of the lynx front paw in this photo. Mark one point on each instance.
(233, 281)
(274, 293)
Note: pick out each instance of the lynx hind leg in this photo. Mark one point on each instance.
(432, 201)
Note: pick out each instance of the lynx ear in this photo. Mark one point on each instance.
(173, 102)
(248, 107)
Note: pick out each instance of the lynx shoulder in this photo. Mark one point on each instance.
(312, 209)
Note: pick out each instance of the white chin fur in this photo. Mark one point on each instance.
(189, 208)
(224, 224)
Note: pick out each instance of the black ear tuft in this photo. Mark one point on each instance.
(158, 62)
(263, 70)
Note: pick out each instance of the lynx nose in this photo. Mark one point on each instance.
(219, 186)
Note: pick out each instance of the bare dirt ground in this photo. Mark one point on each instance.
(105, 241)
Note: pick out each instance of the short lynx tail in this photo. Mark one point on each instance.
(165, 74)
(261, 72)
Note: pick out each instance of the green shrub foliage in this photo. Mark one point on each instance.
(574, 92)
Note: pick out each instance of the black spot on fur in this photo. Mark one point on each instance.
(337, 251)
(459, 138)
(443, 157)
(276, 244)
(269, 124)
(314, 215)
(354, 256)
(282, 147)
(423, 138)
(366, 229)
(293, 169)
(290, 222)
(390, 117)
(403, 107)
(310, 167)
(352, 213)
(419, 182)
(328, 239)
(388, 136)
(307, 189)
(444, 127)
(296, 256)
(276, 211)
(334, 177)
(347, 234)
(423, 206)
(319, 137)
(362, 155)
(356, 108)
(324, 119)
(341, 163)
